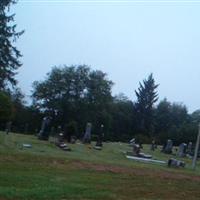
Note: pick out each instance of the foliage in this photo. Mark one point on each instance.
(146, 97)
(173, 121)
(9, 54)
(75, 93)
(70, 130)
(6, 108)
(122, 114)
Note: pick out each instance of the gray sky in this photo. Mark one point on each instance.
(127, 40)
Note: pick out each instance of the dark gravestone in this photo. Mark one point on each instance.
(132, 142)
(45, 129)
(61, 144)
(136, 149)
(99, 143)
(87, 135)
(167, 148)
(8, 127)
(182, 150)
(175, 163)
(137, 152)
(189, 148)
(153, 145)
(73, 139)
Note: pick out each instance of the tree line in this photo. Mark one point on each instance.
(75, 95)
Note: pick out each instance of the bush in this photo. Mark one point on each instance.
(143, 139)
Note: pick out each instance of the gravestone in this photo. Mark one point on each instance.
(73, 139)
(8, 127)
(137, 152)
(182, 150)
(175, 163)
(189, 148)
(167, 148)
(61, 143)
(45, 129)
(87, 135)
(153, 145)
(99, 143)
(136, 149)
(132, 142)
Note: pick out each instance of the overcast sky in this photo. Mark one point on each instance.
(127, 40)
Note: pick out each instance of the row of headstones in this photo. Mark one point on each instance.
(44, 135)
(167, 148)
(183, 149)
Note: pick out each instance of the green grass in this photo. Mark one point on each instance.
(46, 172)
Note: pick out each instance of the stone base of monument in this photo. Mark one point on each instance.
(175, 163)
(97, 147)
(140, 155)
(145, 160)
(63, 146)
(27, 145)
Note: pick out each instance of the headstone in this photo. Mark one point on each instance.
(167, 148)
(73, 139)
(132, 142)
(182, 150)
(87, 135)
(61, 144)
(189, 148)
(27, 145)
(137, 152)
(153, 145)
(99, 143)
(175, 163)
(8, 127)
(45, 129)
(136, 149)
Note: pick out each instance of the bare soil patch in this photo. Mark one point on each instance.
(136, 171)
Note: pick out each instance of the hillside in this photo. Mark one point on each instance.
(46, 172)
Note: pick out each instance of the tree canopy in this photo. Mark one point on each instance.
(9, 54)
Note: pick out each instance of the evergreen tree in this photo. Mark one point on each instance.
(6, 108)
(9, 55)
(146, 97)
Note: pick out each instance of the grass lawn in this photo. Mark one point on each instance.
(46, 172)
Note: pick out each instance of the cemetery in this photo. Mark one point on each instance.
(46, 171)
(99, 100)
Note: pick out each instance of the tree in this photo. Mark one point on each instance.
(76, 93)
(6, 108)
(122, 115)
(146, 97)
(163, 117)
(173, 122)
(98, 99)
(9, 54)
